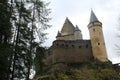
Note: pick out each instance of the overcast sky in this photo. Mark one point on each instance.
(78, 12)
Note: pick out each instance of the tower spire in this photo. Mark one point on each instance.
(77, 29)
(93, 17)
(59, 34)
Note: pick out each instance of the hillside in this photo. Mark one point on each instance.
(84, 71)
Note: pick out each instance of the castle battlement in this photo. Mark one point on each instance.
(72, 44)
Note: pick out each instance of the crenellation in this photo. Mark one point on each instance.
(68, 44)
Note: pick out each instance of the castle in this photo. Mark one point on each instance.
(70, 47)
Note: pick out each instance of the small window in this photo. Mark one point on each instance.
(98, 43)
(79, 46)
(57, 44)
(93, 29)
(62, 44)
(66, 46)
(73, 46)
(86, 46)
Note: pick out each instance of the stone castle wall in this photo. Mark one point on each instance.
(66, 37)
(70, 51)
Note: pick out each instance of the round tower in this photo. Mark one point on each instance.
(97, 38)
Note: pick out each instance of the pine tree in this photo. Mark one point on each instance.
(22, 39)
(38, 25)
(39, 64)
(39, 14)
(25, 20)
(5, 39)
(20, 22)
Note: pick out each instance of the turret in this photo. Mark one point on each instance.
(97, 38)
(77, 33)
(58, 36)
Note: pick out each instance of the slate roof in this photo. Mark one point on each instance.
(93, 17)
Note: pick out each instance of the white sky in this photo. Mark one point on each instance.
(78, 12)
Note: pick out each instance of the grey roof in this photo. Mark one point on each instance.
(77, 29)
(67, 20)
(59, 34)
(68, 28)
(93, 17)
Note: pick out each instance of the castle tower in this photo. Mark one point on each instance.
(77, 33)
(68, 28)
(69, 32)
(97, 38)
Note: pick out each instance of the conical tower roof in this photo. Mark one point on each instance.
(59, 34)
(77, 28)
(93, 17)
(67, 28)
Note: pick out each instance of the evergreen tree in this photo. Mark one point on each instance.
(39, 24)
(5, 39)
(39, 64)
(25, 22)
(21, 23)
(22, 39)
(5, 24)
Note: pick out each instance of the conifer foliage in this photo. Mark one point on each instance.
(22, 22)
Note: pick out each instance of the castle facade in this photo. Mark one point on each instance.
(70, 47)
